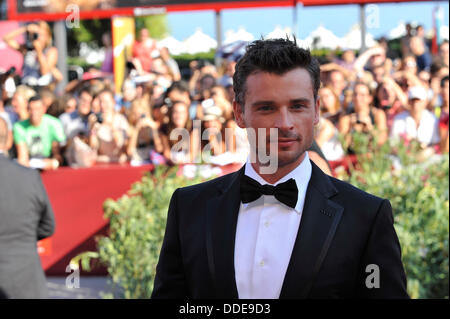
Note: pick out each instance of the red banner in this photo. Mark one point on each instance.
(26, 10)
(77, 197)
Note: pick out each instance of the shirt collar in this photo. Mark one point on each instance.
(301, 174)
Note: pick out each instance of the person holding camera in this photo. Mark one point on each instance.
(365, 118)
(39, 56)
(145, 144)
(108, 131)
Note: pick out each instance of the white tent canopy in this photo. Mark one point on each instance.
(175, 47)
(240, 35)
(199, 42)
(323, 38)
(352, 40)
(278, 32)
(398, 32)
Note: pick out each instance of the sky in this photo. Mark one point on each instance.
(339, 19)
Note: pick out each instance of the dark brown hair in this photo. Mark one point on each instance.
(274, 56)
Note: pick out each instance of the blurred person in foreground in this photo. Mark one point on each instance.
(39, 139)
(27, 216)
(294, 233)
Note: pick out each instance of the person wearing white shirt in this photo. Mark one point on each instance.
(263, 226)
(417, 123)
(278, 227)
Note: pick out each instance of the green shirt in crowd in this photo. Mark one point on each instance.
(39, 139)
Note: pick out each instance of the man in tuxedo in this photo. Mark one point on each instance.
(292, 233)
(26, 216)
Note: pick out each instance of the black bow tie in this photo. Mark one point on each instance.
(286, 192)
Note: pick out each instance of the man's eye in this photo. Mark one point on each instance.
(265, 108)
(298, 106)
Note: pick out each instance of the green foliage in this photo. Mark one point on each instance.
(156, 25)
(137, 226)
(90, 31)
(77, 61)
(184, 59)
(417, 190)
(419, 195)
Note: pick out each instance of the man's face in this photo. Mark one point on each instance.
(417, 105)
(285, 102)
(106, 102)
(36, 110)
(84, 105)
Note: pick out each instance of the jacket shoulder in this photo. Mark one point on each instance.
(20, 175)
(208, 186)
(13, 165)
(352, 192)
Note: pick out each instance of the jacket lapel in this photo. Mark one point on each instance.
(320, 219)
(319, 222)
(222, 213)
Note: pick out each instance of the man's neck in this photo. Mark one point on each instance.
(281, 171)
(36, 124)
(417, 115)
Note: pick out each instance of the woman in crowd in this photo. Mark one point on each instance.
(327, 139)
(109, 131)
(176, 134)
(143, 131)
(330, 107)
(390, 98)
(211, 136)
(39, 56)
(365, 119)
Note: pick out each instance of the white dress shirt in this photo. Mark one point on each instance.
(265, 236)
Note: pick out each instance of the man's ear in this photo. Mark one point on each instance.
(238, 114)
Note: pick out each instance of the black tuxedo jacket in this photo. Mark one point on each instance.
(343, 230)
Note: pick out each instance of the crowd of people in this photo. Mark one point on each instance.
(380, 92)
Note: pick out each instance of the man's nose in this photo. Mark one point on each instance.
(284, 120)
